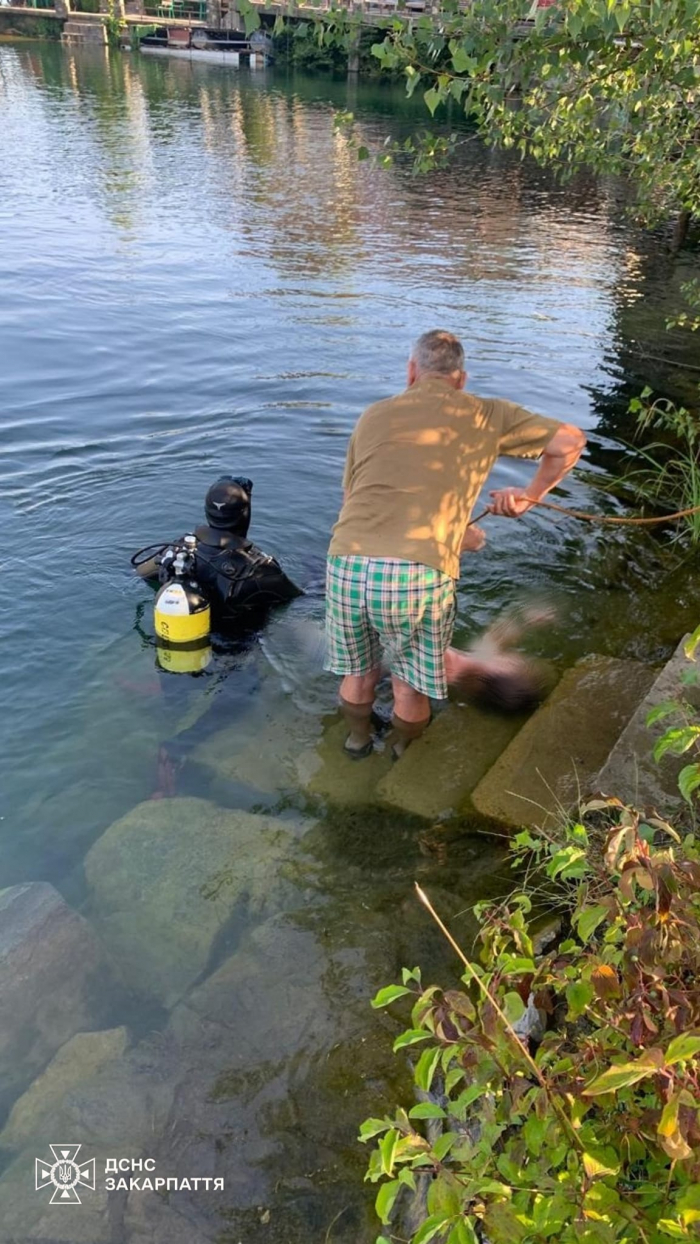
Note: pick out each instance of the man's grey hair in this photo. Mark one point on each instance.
(438, 351)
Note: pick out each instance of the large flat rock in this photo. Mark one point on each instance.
(440, 770)
(559, 751)
(630, 773)
(34, 1115)
(264, 1003)
(28, 1217)
(52, 973)
(166, 878)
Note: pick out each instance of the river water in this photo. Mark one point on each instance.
(199, 277)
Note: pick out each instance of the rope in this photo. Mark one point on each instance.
(583, 516)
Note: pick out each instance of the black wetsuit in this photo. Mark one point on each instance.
(239, 580)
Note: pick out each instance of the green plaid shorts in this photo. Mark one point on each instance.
(381, 610)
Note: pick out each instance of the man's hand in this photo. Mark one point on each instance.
(474, 539)
(561, 454)
(511, 502)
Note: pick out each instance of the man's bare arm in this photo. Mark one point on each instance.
(560, 456)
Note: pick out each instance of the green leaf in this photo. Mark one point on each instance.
(588, 920)
(622, 1075)
(430, 1228)
(516, 965)
(453, 1078)
(443, 1144)
(688, 1204)
(578, 996)
(363, 154)
(683, 1047)
(387, 1149)
(385, 1200)
(462, 1233)
(676, 741)
(534, 1131)
(250, 15)
(432, 99)
(410, 974)
(689, 781)
(569, 863)
(466, 1098)
(461, 61)
(445, 1196)
(373, 1127)
(661, 711)
(388, 995)
(674, 1229)
(513, 1007)
(425, 1068)
(410, 1037)
(427, 1110)
(407, 1177)
(691, 644)
(598, 1162)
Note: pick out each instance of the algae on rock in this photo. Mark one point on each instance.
(33, 1115)
(53, 981)
(166, 878)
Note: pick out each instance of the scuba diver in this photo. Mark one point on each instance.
(214, 579)
(239, 581)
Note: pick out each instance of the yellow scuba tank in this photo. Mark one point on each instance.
(182, 614)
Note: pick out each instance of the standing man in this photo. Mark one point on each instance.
(415, 466)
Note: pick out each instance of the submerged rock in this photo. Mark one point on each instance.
(34, 1115)
(50, 966)
(149, 1219)
(27, 1216)
(166, 878)
(289, 1013)
(264, 1003)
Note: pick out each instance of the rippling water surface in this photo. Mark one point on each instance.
(199, 277)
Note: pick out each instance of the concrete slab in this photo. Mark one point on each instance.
(327, 771)
(440, 770)
(630, 772)
(558, 753)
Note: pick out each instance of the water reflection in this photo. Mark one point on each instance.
(199, 276)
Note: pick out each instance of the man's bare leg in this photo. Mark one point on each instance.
(411, 714)
(356, 702)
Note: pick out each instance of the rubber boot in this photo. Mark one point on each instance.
(406, 732)
(358, 744)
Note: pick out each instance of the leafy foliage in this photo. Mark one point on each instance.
(689, 318)
(682, 732)
(670, 476)
(612, 85)
(593, 1136)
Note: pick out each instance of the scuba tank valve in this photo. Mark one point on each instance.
(182, 614)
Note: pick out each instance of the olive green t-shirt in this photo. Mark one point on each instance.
(416, 464)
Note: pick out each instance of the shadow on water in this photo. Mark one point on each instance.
(199, 277)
